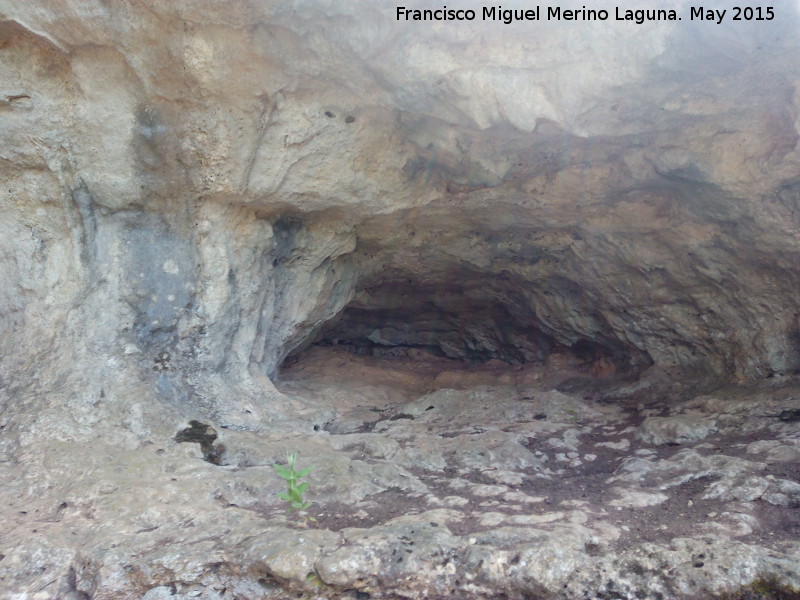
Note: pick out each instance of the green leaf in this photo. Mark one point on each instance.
(283, 471)
(294, 493)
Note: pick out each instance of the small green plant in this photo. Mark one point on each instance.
(295, 491)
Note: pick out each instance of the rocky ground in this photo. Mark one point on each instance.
(495, 485)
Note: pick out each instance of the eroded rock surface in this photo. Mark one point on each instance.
(451, 493)
(529, 302)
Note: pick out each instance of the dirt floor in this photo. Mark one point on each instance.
(430, 480)
(651, 472)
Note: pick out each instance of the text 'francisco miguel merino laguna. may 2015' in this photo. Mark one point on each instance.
(557, 13)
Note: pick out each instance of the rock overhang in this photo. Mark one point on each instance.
(628, 199)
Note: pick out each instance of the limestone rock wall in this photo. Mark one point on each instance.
(193, 190)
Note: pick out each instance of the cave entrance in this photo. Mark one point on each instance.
(430, 323)
(401, 337)
(464, 320)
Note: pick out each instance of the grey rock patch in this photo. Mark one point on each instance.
(679, 429)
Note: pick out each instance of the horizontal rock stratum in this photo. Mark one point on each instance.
(238, 214)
